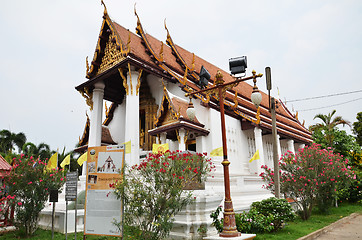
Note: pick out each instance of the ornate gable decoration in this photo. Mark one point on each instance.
(167, 112)
(110, 49)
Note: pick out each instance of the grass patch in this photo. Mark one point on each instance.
(299, 228)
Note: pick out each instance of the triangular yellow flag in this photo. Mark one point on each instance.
(128, 146)
(159, 148)
(53, 162)
(66, 161)
(256, 156)
(216, 152)
(82, 158)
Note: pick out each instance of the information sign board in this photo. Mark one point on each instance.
(71, 186)
(102, 208)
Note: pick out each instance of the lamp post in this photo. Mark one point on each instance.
(218, 90)
(272, 107)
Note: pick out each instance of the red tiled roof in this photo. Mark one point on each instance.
(4, 165)
(147, 49)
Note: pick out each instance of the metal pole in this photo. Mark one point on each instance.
(229, 229)
(53, 216)
(66, 220)
(275, 149)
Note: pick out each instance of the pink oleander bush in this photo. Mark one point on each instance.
(310, 177)
(27, 188)
(153, 191)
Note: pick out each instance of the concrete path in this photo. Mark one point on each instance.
(347, 228)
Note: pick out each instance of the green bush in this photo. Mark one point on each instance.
(310, 177)
(153, 191)
(27, 187)
(280, 209)
(265, 216)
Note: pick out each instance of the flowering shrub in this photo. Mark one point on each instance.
(310, 177)
(153, 193)
(27, 187)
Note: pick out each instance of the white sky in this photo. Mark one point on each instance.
(313, 47)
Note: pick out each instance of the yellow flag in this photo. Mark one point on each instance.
(256, 156)
(66, 161)
(82, 158)
(53, 162)
(159, 148)
(128, 146)
(216, 152)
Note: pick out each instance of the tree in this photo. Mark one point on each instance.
(42, 150)
(328, 125)
(357, 128)
(8, 140)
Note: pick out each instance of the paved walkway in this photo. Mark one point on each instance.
(348, 228)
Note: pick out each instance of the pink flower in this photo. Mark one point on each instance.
(30, 182)
(20, 203)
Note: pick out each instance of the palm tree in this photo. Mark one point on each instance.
(328, 125)
(9, 140)
(42, 150)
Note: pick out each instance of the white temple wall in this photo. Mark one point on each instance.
(247, 144)
(117, 125)
(156, 87)
(284, 146)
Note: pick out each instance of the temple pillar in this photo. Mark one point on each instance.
(279, 148)
(256, 164)
(163, 138)
(132, 129)
(95, 129)
(290, 144)
(181, 139)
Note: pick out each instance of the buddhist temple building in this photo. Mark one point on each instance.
(140, 83)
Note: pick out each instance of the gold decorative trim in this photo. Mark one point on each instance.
(120, 70)
(87, 65)
(161, 52)
(139, 81)
(186, 136)
(88, 97)
(130, 78)
(112, 56)
(161, 109)
(236, 103)
(178, 136)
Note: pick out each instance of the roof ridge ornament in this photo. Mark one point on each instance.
(105, 8)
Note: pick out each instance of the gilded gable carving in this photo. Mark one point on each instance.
(111, 57)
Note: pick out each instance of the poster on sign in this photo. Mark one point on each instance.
(102, 208)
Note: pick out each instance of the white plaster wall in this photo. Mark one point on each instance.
(117, 125)
(156, 87)
(284, 146)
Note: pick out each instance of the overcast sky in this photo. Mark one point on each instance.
(313, 48)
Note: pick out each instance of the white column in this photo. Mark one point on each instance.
(290, 144)
(163, 138)
(132, 128)
(256, 164)
(95, 129)
(181, 143)
(279, 148)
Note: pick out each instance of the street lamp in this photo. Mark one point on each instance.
(218, 90)
(272, 106)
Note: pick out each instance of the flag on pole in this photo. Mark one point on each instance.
(128, 146)
(217, 152)
(66, 161)
(159, 148)
(256, 156)
(82, 158)
(53, 162)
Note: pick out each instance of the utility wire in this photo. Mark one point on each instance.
(330, 95)
(353, 100)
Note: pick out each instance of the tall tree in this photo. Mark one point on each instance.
(8, 140)
(357, 128)
(328, 125)
(42, 150)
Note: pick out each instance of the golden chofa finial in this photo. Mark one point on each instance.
(219, 78)
(105, 8)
